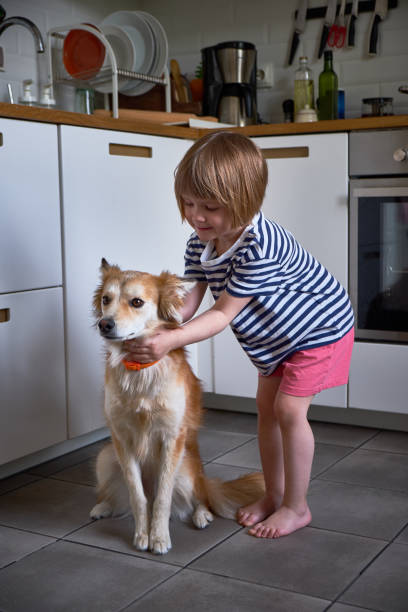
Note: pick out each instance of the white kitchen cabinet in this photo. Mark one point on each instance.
(32, 358)
(307, 193)
(32, 372)
(378, 377)
(118, 203)
(30, 231)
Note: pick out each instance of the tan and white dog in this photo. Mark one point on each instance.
(154, 414)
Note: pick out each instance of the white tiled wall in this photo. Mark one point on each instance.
(20, 58)
(193, 24)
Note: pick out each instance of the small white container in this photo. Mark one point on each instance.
(306, 114)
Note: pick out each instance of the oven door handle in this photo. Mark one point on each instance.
(361, 192)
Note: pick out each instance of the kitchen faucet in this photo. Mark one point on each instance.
(27, 23)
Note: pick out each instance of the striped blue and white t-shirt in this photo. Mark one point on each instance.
(297, 304)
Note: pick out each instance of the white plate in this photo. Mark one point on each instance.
(161, 55)
(142, 38)
(125, 53)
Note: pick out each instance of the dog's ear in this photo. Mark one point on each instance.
(104, 265)
(172, 291)
(105, 269)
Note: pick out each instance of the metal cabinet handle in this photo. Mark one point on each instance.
(1, 139)
(4, 315)
(130, 150)
(285, 152)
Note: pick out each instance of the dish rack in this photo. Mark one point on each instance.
(58, 73)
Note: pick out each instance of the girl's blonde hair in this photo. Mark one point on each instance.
(226, 167)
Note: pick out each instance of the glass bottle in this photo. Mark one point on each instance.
(328, 89)
(304, 86)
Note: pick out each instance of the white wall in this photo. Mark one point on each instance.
(194, 24)
(22, 61)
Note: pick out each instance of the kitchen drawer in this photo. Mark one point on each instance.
(32, 372)
(378, 377)
(30, 229)
(382, 145)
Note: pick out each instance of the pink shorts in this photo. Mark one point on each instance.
(308, 372)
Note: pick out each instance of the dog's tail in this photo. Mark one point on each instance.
(226, 497)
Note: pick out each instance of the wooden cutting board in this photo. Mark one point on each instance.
(152, 116)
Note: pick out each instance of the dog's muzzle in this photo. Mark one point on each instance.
(106, 327)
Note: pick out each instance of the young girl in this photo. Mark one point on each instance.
(291, 317)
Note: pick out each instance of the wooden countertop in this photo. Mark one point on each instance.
(17, 111)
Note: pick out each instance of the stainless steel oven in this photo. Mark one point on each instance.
(379, 234)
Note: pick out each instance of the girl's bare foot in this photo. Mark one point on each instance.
(254, 513)
(282, 522)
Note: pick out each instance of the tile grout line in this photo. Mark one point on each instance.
(261, 584)
(354, 448)
(133, 555)
(389, 543)
(359, 484)
(336, 599)
(36, 478)
(232, 449)
(153, 588)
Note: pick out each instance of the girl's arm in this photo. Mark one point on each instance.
(206, 325)
(193, 301)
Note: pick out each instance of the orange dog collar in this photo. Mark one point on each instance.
(136, 366)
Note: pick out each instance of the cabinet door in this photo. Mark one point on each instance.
(32, 372)
(378, 377)
(30, 231)
(118, 203)
(307, 194)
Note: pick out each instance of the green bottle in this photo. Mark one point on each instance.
(328, 89)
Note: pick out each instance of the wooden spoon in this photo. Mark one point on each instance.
(175, 73)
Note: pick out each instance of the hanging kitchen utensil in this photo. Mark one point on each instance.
(351, 34)
(328, 22)
(337, 33)
(178, 81)
(380, 13)
(299, 27)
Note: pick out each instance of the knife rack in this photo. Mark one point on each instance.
(364, 6)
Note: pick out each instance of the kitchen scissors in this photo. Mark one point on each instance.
(337, 34)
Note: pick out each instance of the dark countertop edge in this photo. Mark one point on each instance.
(16, 111)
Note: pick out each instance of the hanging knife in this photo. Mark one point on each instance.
(328, 22)
(300, 21)
(352, 24)
(380, 13)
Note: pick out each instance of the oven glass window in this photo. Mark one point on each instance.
(383, 263)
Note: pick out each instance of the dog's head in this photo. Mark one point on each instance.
(130, 304)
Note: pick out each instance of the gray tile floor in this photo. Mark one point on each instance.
(353, 556)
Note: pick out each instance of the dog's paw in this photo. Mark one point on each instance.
(202, 517)
(141, 541)
(102, 510)
(160, 544)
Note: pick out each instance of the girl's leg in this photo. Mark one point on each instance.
(270, 447)
(298, 449)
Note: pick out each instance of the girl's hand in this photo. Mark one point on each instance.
(150, 349)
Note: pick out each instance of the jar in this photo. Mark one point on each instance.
(377, 107)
